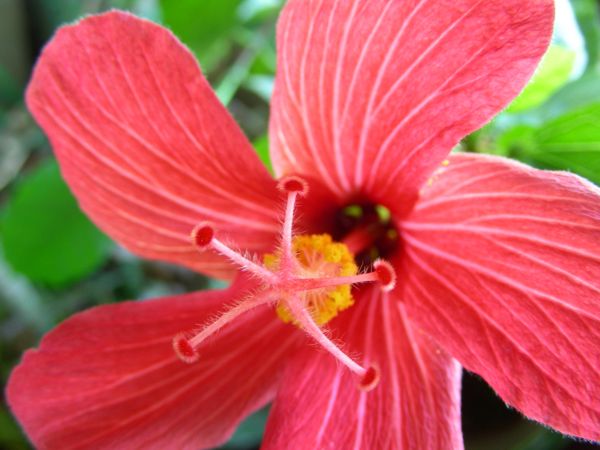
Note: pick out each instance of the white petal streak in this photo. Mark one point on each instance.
(192, 174)
(129, 174)
(479, 196)
(472, 266)
(333, 397)
(530, 218)
(457, 187)
(470, 304)
(363, 54)
(541, 262)
(361, 412)
(326, 125)
(482, 231)
(269, 361)
(394, 376)
(300, 107)
(421, 57)
(358, 169)
(119, 169)
(396, 130)
(176, 393)
(337, 152)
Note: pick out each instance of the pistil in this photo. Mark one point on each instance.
(383, 273)
(292, 186)
(308, 279)
(362, 238)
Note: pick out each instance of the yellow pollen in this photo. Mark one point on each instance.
(318, 256)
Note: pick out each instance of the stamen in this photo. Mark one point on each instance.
(186, 349)
(370, 379)
(383, 273)
(243, 262)
(305, 320)
(292, 183)
(361, 238)
(230, 315)
(386, 274)
(202, 235)
(293, 186)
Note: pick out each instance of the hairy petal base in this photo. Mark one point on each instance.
(502, 265)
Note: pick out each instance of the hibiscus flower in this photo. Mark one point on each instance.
(483, 263)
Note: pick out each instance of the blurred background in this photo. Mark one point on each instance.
(54, 262)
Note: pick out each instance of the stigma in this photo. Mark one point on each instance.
(308, 281)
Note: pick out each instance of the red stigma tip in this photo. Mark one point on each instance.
(293, 183)
(370, 379)
(184, 350)
(386, 274)
(202, 235)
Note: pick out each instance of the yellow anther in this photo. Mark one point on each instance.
(318, 256)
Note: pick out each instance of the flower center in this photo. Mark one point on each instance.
(308, 280)
(367, 230)
(317, 256)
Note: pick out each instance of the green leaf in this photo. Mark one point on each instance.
(10, 92)
(15, 47)
(235, 76)
(45, 235)
(202, 25)
(261, 145)
(256, 45)
(516, 142)
(261, 85)
(575, 95)
(588, 18)
(258, 10)
(11, 436)
(569, 142)
(553, 73)
(47, 15)
(250, 432)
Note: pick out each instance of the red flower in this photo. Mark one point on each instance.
(498, 264)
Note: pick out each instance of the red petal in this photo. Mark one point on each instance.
(109, 377)
(144, 143)
(416, 404)
(502, 266)
(373, 94)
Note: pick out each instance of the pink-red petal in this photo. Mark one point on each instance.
(145, 145)
(109, 378)
(415, 406)
(501, 264)
(372, 94)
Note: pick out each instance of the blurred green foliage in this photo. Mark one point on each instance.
(206, 26)
(53, 262)
(569, 142)
(588, 17)
(261, 145)
(45, 236)
(553, 73)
